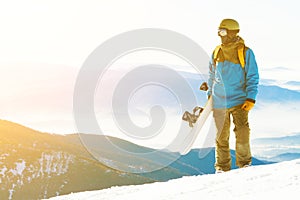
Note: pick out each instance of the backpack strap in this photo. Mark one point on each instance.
(241, 51)
(216, 53)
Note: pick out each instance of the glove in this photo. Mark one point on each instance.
(248, 105)
(204, 86)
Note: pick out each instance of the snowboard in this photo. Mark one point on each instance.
(196, 122)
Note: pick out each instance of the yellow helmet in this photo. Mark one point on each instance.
(229, 24)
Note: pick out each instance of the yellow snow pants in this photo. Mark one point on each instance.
(222, 119)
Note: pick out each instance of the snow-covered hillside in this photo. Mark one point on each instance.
(277, 181)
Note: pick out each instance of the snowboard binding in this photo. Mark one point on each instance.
(191, 118)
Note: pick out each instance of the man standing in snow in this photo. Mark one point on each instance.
(233, 82)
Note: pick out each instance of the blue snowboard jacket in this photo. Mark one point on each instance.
(230, 84)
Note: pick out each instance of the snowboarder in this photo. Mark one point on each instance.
(233, 82)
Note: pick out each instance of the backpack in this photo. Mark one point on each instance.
(241, 54)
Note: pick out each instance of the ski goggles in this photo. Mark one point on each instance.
(222, 32)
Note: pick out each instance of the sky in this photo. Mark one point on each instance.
(65, 32)
(42, 38)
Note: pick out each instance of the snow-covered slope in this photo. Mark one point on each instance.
(277, 181)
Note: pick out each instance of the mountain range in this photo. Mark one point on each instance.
(35, 165)
(277, 149)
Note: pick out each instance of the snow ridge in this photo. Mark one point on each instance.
(256, 182)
